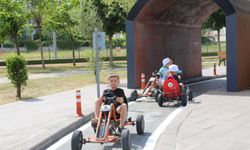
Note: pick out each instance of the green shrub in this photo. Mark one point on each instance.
(17, 72)
(207, 40)
(119, 42)
(8, 44)
(68, 44)
(31, 45)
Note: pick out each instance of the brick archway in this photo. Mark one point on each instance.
(160, 28)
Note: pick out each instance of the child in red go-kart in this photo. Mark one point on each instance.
(172, 88)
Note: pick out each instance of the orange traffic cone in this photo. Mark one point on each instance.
(143, 84)
(78, 104)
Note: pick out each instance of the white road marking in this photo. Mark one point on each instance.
(67, 138)
(151, 142)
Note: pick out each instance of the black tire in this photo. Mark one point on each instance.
(140, 124)
(156, 93)
(160, 100)
(133, 96)
(184, 99)
(125, 140)
(76, 140)
(190, 95)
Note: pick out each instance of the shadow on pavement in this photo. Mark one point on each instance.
(32, 99)
(138, 141)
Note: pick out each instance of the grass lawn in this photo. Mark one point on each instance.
(50, 68)
(46, 86)
(208, 62)
(62, 54)
(212, 48)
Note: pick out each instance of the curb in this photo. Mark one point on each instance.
(61, 133)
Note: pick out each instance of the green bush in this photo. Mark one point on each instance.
(207, 40)
(119, 42)
(31, 45)
(68, 44)
(8, 44)
(17, 72)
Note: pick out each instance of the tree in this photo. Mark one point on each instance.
(38, 9)
(13, 20)
(17, 72)
(216, 22)
(62, 18)
(113, 14)
(88, 19)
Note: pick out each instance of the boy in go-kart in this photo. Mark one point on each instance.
(164, 70)
(173, 71)
(121, 102)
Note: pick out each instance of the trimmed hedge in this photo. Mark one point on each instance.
(61, 61)
(209, 54)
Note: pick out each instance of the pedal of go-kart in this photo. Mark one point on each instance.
(129, 119)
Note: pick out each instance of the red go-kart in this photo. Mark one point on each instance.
(105, 131)
(172, 91)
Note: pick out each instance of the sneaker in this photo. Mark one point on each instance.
(119, 130)
(94, 122)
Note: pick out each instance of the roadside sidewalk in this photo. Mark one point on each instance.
(217, 120)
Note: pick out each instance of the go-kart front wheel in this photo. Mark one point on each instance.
(183, 99)
(140, 124)
(77, 140)
(125, 140)
(160, 100)
(133, 96)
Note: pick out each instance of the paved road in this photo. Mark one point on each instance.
(153, 115)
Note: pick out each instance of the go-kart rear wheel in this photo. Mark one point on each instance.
(125, 140)
(133, 96)
(140, 124)
(77, 140)
(160, 100)
(183, 99)
(190, 95)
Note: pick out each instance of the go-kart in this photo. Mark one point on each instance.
(108, 122)
(172, 91)
(150, 89)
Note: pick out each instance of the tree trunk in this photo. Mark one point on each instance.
(17, 46)
(54, 45)
(73, 53)
(74, 61)
(219, 44)
(41, 49)
(110, 52)
(18, 91)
